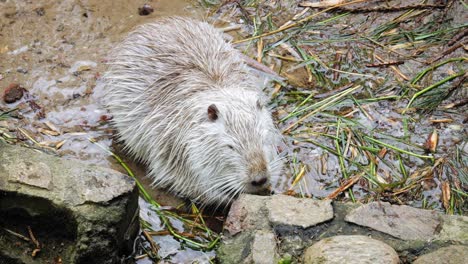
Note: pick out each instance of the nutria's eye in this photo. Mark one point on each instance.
(230, 146)
(213, 112)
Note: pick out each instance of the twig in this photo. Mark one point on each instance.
(447, 52)
(388, 8)
(36, 243)
(458, 36)
(348, 183)
(384, 64)
(17, 235)
(154, 247)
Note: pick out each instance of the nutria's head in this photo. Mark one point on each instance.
(234, 147)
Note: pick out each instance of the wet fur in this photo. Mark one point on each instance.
(161, 80)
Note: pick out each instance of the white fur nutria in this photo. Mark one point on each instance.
(184, 103)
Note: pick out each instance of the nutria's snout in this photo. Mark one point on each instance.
(260, 184)
(259, 181)
(259, 176)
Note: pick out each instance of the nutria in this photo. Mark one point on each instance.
(184, 102)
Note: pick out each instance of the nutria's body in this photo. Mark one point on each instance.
(183, 102)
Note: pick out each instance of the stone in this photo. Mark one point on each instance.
(454, 228)
(350, 250)
(446, 255)
(293, 244)
(81, 213)
(235, 250)
(258, 247)
(248, 212)
(300, 212)
(264, 248)
(63, 181)
(401, 221)
(13, 93)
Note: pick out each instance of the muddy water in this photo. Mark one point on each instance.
(57, 51)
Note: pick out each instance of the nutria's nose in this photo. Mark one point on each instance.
(259, 181)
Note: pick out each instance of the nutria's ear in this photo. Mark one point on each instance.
(213, 112)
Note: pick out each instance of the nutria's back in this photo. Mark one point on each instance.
(183, 102)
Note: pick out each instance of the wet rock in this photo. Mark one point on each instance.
(350, 249)
(258, 247)
(446, 255)
(264, 248)
(294, 245)
(454, 228)
(145, 10)
(249, 225)
(247, 213)
(80, 213)
(400, 221)
(302, 212)
(13, 93)
(235, 250)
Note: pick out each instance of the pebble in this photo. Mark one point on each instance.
(13, 93)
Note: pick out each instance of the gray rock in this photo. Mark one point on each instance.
(235, 250)
(454, 228)
(247, 213)
(302, 212)
(264, 248)
(350, 250)
(249, 236)
(400, 221)
(294, 245)
(257, 247)
(80, 213)
(446, 255)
